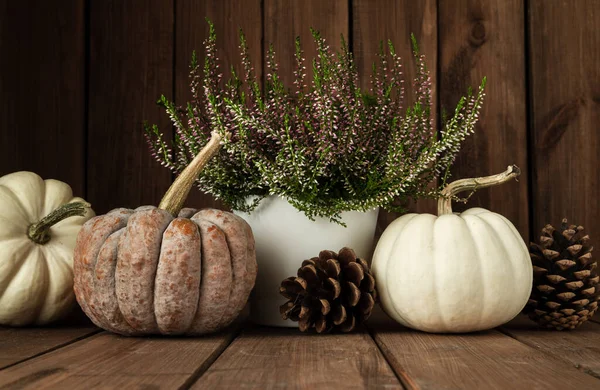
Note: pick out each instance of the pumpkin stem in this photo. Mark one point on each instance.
(39, 232)
(176, 195)
(452, 189)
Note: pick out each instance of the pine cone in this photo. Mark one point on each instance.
(565, 280)
(332, 291)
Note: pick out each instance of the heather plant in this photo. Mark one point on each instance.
(326, 146)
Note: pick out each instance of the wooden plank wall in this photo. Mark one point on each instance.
(78, 79)
(130, 66)
(42, 89)
(487, 38)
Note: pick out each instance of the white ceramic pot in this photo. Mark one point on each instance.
(285, 237)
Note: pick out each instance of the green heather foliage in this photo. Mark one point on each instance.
(326, 145)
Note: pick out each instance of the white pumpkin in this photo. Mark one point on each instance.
(39, 223)
(453, 272)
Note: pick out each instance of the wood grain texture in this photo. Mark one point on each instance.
(487, 38)
(20, 344)
(564, 84)
(115, 362)
(284, 20)
(42, 67)
(263, 358)
(191, 29)
(579, 347)
(483, 360)
(131, 60)
(374, 22)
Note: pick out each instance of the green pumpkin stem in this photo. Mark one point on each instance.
(176, 195)
(451, 190)
(39, 232)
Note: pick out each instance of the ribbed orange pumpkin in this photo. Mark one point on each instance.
(165, 270)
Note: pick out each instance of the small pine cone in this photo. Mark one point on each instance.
(566, 285)
(332, 291)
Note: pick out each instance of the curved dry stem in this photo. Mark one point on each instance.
(39, 232)
(175, 197)
(473, 184)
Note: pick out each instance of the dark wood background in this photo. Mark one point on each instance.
(78, 78)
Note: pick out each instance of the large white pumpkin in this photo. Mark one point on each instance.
(36, 278)
(454, 272)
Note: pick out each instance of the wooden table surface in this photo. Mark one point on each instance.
(380, 355)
